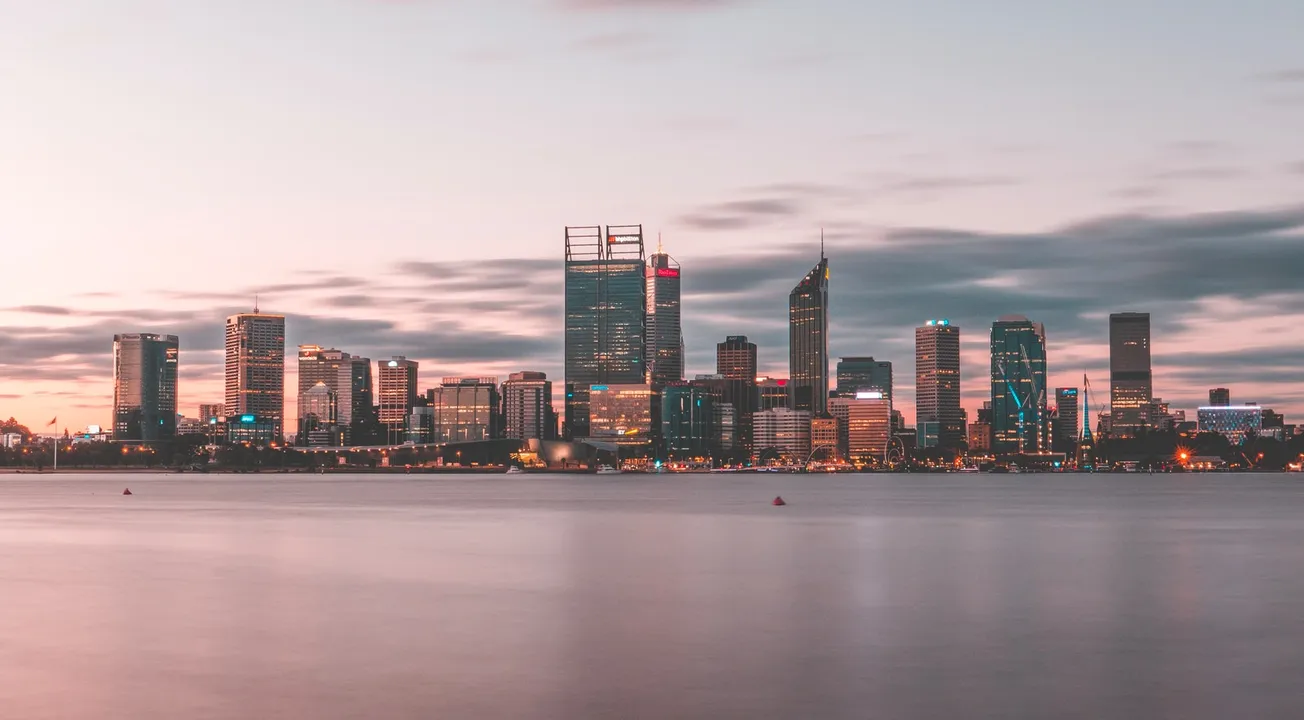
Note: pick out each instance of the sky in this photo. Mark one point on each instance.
(395, 175)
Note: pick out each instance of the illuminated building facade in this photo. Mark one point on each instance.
(465, 409)
(333, 369)
(781, 433)
(772, 393)
(527, 407)
(1130, 384)
(1234, 422)
(621, 414)
(144, 387)
(937, 383)
(1018, 374)
(255, 369)
(606, 312)
(398, 395)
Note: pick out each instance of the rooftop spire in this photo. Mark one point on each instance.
(821, 243)
(255, 303)
(659, 252)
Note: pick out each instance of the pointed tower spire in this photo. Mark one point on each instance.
(821, 243)
(659, 251)
(255, 303)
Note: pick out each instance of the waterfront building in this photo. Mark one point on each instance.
(808, 340)
(1020, 422)
(1130, 384)
(605, 316)
(421, 425)
(688, 421)
(864, 374)
(622, 414)
(319, 417)
(665, 337)
(937, 382)
(255, 371)
(824, 434)
(865, 426)
(527, 407)
(735, 361)
(333, 369)
(362, 418)
(144, 387)
(781, 433)
(466, 409)
(1234, 422)
(398, 395)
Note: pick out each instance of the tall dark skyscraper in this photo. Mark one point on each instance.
(937, 381)
(1019, 419)
(808, 340)
(1130, 387)
(255, 368)
(362, 402)
(665, 337)
(864, 374)
(144, 387)
(606, 309)
(735, 361)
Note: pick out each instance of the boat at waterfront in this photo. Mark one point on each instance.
(608, 470)
(513, 470)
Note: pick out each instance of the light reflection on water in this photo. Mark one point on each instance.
(438, 596)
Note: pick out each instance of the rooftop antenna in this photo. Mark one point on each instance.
(659, 244)
(821, 243)
(255, 303)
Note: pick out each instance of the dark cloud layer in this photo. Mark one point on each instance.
(460, 317)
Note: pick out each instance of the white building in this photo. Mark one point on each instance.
(783, 430)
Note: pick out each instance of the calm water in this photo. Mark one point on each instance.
(652, 597)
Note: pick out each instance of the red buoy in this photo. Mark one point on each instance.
(778, 501)
(126, 491)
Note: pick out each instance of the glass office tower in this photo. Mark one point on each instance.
(606, 308)
(144, 387)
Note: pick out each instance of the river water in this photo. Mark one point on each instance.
(905, 596)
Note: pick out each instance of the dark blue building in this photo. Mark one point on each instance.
(688, 421)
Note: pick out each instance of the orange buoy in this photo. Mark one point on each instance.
(778, 501)
(126, 491)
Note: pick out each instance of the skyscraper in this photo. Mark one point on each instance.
(1018, 372)
(255, 369)
(144, 387)
(937, 381)
(1220, 397)
(808, 340)
(735, 361)
(665, 337)
(688, 421)
(527, 404)
(466, 409)
(1067, 418)
(1130, 386)
(606, 309)
(863, 374)
(362, 399)
(333, 369)
(398, 393)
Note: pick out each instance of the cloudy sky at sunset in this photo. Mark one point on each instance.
(394, 176)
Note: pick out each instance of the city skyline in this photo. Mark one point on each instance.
(1051, 203)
